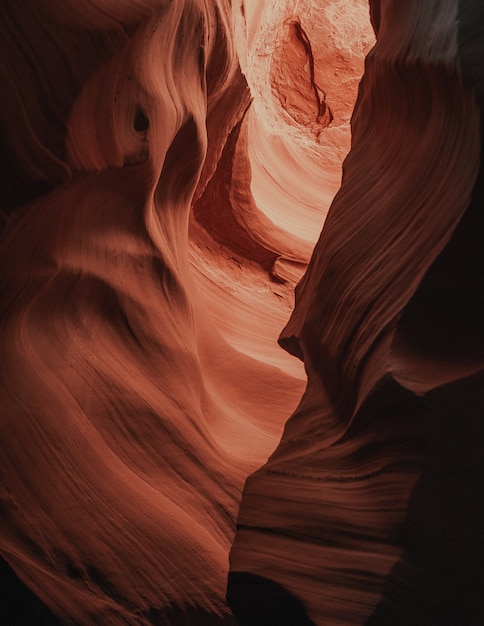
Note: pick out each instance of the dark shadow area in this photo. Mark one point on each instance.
(439, 579)
(444, 319)
(258, 601)
(19, 606)
(189, 616)
(141, 122)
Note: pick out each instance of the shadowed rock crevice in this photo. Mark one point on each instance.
(19, 606)
(258, 601)
(439, 576)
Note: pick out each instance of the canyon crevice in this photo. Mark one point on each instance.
(241, 313)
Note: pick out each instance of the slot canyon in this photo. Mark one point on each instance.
(242, 309)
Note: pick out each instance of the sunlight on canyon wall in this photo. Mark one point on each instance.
(172, 174)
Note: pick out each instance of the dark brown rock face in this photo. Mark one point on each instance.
(370, 511)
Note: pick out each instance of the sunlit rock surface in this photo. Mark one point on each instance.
(166, 171)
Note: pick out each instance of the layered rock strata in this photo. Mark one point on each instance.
(370, 510)
(166, 169)
(129, 421)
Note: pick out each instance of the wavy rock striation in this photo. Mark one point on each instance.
(370, 510)
(128, 420)
(166, 169)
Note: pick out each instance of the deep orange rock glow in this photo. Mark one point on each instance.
(182, 441)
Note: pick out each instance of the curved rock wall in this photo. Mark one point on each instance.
(166, 170)
(129, 421)
(367, 510)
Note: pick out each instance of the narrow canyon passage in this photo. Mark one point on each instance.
(241, 278)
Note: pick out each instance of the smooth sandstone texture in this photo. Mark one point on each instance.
(166, 170)
(370, 510)
(129, 420)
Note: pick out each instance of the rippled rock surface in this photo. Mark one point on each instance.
(166, 170)
(130, 414)
(370, 510)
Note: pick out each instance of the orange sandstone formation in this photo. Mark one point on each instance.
(166, 170)
(370, 510)
(129, 421)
